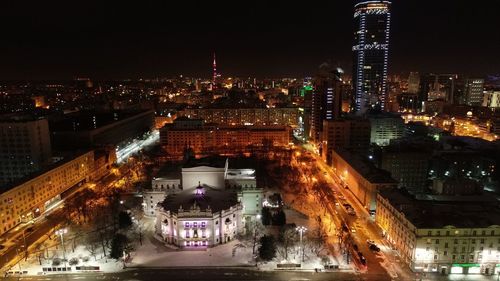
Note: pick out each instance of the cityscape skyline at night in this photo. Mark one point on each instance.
(256, 140)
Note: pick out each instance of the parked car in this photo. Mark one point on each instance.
(374, 248)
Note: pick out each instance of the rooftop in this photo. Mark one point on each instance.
(204, 197)
(365, 168)
(211, 161)
(90, 120)
(431, 211)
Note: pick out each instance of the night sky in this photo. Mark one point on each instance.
(62, 40)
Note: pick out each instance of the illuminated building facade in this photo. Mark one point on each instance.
(213, 206)
(491, 99)
(283, 116)
(385, 127)
(371, 52)
(211, 138)
(363, 179)
(474, 92)
(23, 201)
(459, 237)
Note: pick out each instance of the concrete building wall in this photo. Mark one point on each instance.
(363, 189)
(193, 177)
(151, 198)
(384, 129)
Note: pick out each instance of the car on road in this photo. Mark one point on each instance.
(362, 259)
(370, 241)
(374, 248)
(345, 228)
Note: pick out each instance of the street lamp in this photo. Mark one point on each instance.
(19, 263)
(301, 230)
(61, 233)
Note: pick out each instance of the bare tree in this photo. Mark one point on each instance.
(92, 245)
(287, 239)
(316, 240)
(255, 230)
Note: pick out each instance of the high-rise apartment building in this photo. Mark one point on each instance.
(351, 134)
(473, 91)
(326, 99)
(413, 83)
(25, 147)
(371, 53)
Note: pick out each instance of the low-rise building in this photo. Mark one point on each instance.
(444, 234)
(362, 178)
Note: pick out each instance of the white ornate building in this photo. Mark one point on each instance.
(212, 208)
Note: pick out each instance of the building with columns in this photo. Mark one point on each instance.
(212, 206)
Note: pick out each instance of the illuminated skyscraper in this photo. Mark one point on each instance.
(371, 50)
(326, 98)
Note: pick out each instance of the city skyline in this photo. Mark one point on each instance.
(176, 140)
(46, 41)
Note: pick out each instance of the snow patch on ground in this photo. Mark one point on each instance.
(154, 254)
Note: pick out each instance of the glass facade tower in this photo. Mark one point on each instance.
(371, 50)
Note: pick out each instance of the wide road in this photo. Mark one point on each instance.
(239, 274)
(41, 228)
(194, 274)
